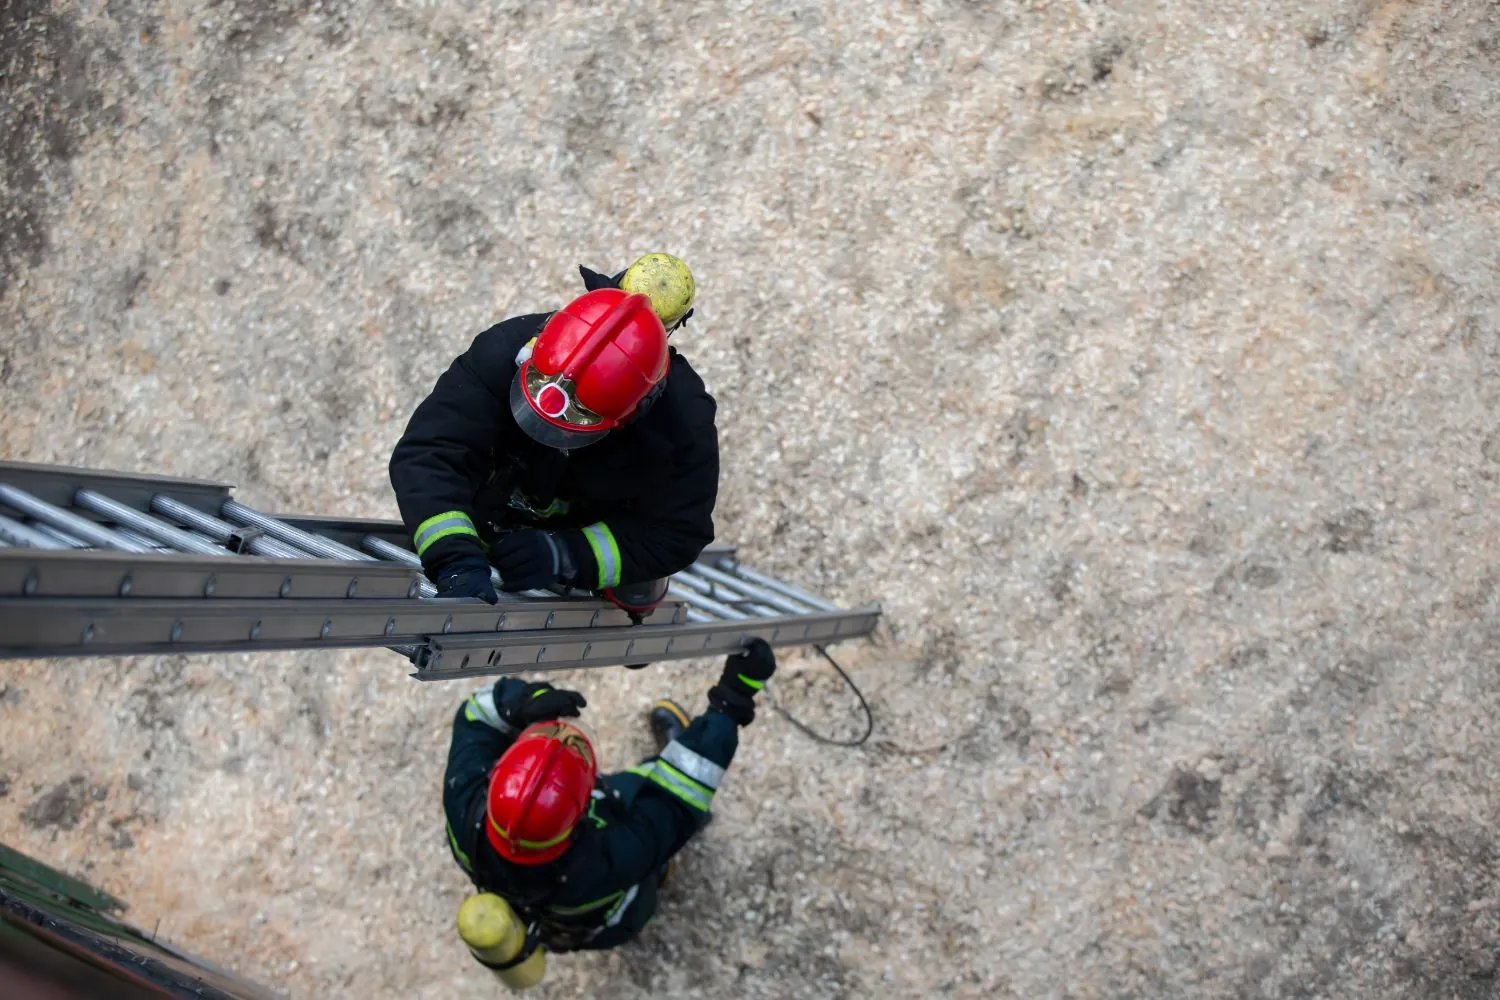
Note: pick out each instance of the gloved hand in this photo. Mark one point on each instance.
(530, 559)
(744, 674)
(521, 705)
(467, 576)
(593, 280)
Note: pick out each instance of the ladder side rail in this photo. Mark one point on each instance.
(56, 484)
(474, 655)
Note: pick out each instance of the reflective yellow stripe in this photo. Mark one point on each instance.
(606, 553)
(481, 708)
(674, 781)
(531, 845)
(458, 852)
(573, 911)
(440, 526)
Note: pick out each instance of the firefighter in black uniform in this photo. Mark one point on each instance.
(568, 449)
(579, 855)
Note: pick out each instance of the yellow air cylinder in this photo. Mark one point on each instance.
(495, 935)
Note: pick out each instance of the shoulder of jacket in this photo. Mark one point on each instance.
(687, 391)
(509, 334)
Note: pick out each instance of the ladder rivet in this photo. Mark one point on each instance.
(327, 627)
(541, 653)
(630, 647)
(353, 588)
(390, 626)
(255, 631)
(669, 645)
(448, 625)
(125, 586)
(412, 590)
(594, 620)
(286, 586)
(499, 623)
(176, 631)
(88, 633)
(211, 587)
(587, 648)
(550, 616)
(29, 585)
(464, 664)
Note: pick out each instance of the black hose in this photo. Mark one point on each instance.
(865, 705)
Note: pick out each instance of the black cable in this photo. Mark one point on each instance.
(807, 731)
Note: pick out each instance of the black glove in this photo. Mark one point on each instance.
(744, 674)
(530, 559)
(467, 576)
(593, 280)
(525, 704)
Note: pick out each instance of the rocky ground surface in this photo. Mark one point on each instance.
(1141, 358)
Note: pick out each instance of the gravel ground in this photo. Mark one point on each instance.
(1139, 357)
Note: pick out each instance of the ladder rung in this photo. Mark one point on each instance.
(782, 603)
(154, 528)
(771, 583)
(26, 536)
(223, 531)
(703, 602)
(733, 596)
(65, 520)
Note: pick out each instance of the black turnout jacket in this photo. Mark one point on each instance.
(631, 508)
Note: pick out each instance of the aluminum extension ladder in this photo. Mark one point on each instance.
(99, 563)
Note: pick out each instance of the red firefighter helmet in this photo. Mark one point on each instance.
(589, 368)
(539, 790)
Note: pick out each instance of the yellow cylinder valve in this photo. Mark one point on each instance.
(666, 281)
(495, 936)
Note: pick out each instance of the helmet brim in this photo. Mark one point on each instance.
(543, 431)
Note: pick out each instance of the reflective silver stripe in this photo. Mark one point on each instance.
(618, 913)
(606, 552)
(693, 764)
(481, 708)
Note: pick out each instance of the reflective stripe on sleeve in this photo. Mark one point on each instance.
(693, 764)
(606, 553)
(440, 526)
(458, 852)
(666, 776)
(618, 912)
(481, 708)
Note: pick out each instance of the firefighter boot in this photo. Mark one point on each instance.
(667, 720)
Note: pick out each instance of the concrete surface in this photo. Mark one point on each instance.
(1140, 357)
